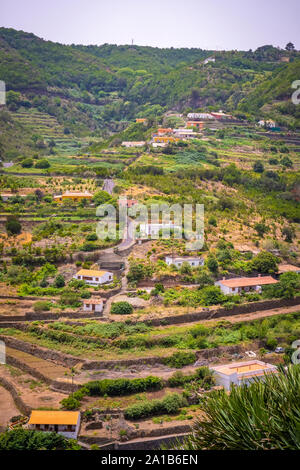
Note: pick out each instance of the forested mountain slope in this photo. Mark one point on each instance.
(99, 89)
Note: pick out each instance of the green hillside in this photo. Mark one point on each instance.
(97, 91)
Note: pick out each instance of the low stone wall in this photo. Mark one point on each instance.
(25, 409)
(151, 444)
(26, 368)
(208, 313)
(91, 365)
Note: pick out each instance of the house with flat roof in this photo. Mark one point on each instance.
(193, 261)
(244, 284)
(140, 143)
(94, 277)
(239, 373)
(73, 196)
(93, 305)
(165, 139)
(184, 133)
(66, 423)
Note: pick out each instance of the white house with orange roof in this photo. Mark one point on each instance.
(74, 196)
(244, 284)
(93, 305)
(239, 373)
(94, 277)
(66, 423)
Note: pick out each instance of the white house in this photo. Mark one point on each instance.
(133, 144)
(209, 59)
(200, 116)
(158, 144)
(239, 373)
(93, 305)
(94, 277)
(154, 229)
(66, 423)
(178, 261)
(244, 284)
(183, 133)
(269, 123)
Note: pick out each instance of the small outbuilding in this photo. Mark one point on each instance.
(239, 373)
(93, 305)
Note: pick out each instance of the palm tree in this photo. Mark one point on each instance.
(263, 415)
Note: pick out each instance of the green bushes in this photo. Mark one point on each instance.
(112, 387)
(28, 439)
(203, 376)
(41, 306)
(121, 308)
(171, 404)
(180, 359)
(42, 164)
(118, 387)
(70, 403)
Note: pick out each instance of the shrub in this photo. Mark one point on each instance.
(28, 439)
(70, 403)
(13, 226)
(42, 164)
(180, 359)
(119, 387)
(121, 308)
(59, 281)
(170, 404)
(70, 298)
(271, 342)
(41, 306)
(92, 237)
(212, 221)
(27, 163)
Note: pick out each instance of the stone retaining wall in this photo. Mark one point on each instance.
(25, 409)
(208, 313)
(43, 353)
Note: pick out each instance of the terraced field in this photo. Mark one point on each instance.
(47, 368)
(48, 127)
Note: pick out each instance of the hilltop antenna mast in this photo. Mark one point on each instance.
(131, 42)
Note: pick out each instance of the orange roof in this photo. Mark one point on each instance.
(93, 301)
(248, 281)
(90, 272)
(54, 417)
(284, 268)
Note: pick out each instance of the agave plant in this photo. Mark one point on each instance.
(263, 415)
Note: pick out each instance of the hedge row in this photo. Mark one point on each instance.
(169, 405)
